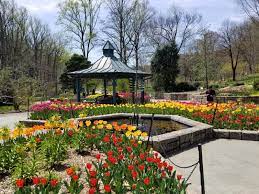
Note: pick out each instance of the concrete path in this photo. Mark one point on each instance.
(10, 119)
(230, 167)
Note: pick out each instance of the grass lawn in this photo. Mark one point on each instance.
(6, 109)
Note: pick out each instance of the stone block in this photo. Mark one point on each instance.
(234, 134)
(250, 135)
(222, 133)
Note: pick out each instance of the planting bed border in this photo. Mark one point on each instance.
(175, 141)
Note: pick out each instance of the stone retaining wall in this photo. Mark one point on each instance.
(236, 134)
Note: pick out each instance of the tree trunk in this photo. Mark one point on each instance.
(234, 73)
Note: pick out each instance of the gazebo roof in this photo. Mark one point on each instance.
(109, 66)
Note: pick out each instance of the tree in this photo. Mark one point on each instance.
(118, 27)
(28, 49)
(164, 66)
(230, 42)
(142, 14)
(178, 26)
(251, 8)
(79, 19)
(75, 63)
(207, 48)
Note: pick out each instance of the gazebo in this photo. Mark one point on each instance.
(108, 67)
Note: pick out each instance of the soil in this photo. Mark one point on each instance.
(74, 159)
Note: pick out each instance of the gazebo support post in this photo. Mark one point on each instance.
(133, 91)
(78, 89)
(114, 91)
(105, 86)
(142, 91)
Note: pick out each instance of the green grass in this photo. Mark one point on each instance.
(255, 93)
(5, 109)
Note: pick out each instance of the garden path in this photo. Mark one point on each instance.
(10, 119)
(230, 166)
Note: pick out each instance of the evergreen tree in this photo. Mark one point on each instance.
(164, 66)
(76, 63)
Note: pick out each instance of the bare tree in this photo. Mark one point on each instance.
(230, 42)
(37, 35)
(28, 51)
(79, 19)
(142, 14)
(207, 49)
(118, 27)
(251, 8)
(178, 26)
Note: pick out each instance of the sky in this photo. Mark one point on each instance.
(214, 12)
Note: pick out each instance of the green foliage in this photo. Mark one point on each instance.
(123, 85)
(75, 63)
(256, 84)
(184, 87)
(31, 163)
(54, 149)
(164, 66)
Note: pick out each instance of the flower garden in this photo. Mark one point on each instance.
(63, 156)
(85, 157)
(225, 115)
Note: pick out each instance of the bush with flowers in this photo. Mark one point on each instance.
(121, 163)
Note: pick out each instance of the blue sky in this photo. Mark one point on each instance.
(214, 12)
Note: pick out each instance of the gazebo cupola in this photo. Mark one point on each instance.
(108, 49)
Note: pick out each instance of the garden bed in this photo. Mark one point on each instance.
(223, 115)
(55, 157)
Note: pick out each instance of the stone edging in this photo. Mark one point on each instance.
(236, 134)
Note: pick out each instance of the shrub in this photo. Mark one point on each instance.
(184, 87)
(256, 84)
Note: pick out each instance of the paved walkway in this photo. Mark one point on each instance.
(10, 119)
(230, 167)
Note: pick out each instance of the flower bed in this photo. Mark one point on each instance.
(227, 115)
(37, 160)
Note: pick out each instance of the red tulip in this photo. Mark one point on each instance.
(141, 167)
(130, 167)
(20, 183)
(134, 174)
(53, 182)
(70, 133)
(89, 166)
(121, 156)
(129, 149)
(146, 181)
(93, 182)
(105, 165)
(92, 173)
(170, 168)
(142, 156)
(134, 186)
(107, 174)
(98, 156)
(107, 188)
(75, 177)
(92, 190)
(43, 181)
(36, 180)
(179, 177)
(106, 139)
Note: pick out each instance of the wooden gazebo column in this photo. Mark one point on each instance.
(78, 89)
(105, 86)
(142, 90)
(114, 90)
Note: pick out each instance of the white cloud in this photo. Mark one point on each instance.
(39, 6)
